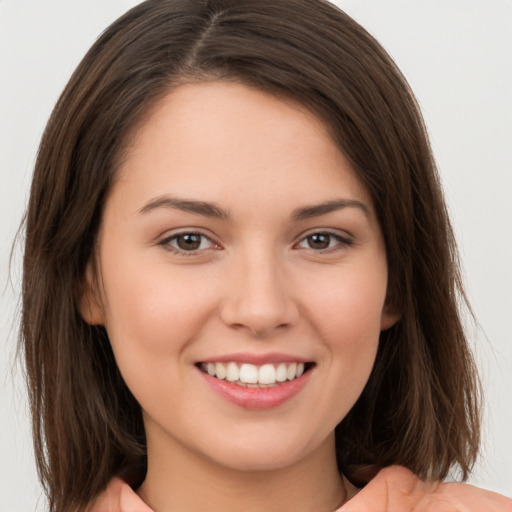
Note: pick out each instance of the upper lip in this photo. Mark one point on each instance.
(257, 359)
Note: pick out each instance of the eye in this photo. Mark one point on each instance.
(322, 241)
(188, 242)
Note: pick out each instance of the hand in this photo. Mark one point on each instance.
(396, 489)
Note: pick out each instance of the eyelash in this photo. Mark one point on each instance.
(167, 243)
(342, 242)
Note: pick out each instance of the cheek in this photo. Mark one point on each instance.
(151, 311)
(347, 317)
(152, 320)
(347, 305)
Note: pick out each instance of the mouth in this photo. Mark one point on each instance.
(248, 375)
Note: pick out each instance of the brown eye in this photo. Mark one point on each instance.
(188, 242)
(319, 241)
(324, 240)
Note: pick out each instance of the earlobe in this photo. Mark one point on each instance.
(389, 318)
(89, 301)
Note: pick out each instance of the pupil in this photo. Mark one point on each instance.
(189, 242)
(319, 241)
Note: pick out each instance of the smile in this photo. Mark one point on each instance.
(255, 376)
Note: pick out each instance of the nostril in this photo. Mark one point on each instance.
(259, 303)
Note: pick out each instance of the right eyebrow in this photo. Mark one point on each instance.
(186, 205)
(318, 210)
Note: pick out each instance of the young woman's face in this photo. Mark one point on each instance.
(237, 249)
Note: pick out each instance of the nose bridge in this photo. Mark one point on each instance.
(258, 296)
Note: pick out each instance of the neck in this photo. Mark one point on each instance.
(178, 480)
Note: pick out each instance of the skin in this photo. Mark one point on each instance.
(396, 489)
(255, 285)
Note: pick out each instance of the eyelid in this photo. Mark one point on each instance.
(344, 239)
(166, 245)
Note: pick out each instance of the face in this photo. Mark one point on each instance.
(243, 277)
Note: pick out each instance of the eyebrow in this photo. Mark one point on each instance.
(212, 210)
(308, 212)
(186, 205)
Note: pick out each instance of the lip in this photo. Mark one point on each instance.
(256, 398)
(257, 359)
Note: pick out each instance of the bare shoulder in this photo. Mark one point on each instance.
(396, 489)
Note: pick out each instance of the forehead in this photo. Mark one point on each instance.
(220, 140)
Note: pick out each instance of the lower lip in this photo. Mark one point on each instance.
(257, 398)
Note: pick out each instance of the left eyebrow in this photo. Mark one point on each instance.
(186, 205)
(308, 212)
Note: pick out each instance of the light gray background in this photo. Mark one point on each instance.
(457, 55)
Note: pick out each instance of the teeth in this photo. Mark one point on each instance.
(250, 375)
(281, 373)
(232, 372)
(267, 374)
(291, 372)
(220, 371)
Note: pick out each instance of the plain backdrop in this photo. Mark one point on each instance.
(457, 56)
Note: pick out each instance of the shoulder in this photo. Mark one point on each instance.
(118, 497)
(397, 489)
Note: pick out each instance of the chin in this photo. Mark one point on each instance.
(244, 462)
(264, 454)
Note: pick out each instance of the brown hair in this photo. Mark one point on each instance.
(420, 406)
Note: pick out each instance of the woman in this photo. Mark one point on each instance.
(240, 281)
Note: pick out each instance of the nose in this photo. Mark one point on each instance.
(258, 296)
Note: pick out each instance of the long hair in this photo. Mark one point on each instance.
(420, 407)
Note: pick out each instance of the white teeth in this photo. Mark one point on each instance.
(267, 374)
(250, 375)
(292, 371)
(232, 372)
(220, 371)
(281, 373)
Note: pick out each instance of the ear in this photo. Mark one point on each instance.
(89, 301)
(390, 316)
